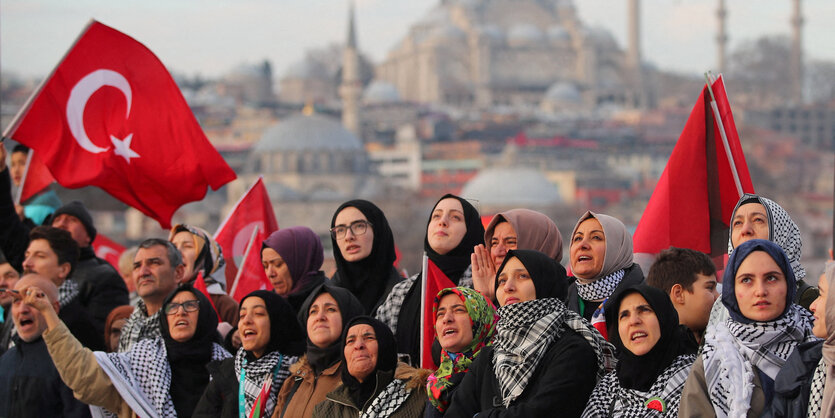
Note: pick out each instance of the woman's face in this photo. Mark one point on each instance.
(818, 308)
(254, 326)
(116, 333)
(181, 323)
(324, 321)
(353, 247)
(447, 226)
(760, 287)
(638, 326)
(184, 241)
(277, 271)
(361, 351)
(750, 221)
(504, 239)
(588, 249)
(514, 284)
(453, 325)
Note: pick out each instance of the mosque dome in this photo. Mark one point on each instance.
(379, 92)
(511, 186)
(525, 33)
(307, 133)
(558, 33)
(563, 92)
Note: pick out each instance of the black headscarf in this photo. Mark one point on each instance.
(548, 276)
(360, 392)
(453, 264)
(286, 335)
(349, 308)
(640, 372)
(188, 360)
(366, 278)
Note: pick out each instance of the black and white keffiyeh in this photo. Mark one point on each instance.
(67, 292)
(601, 288)
(732, 349)
(610, 399)
(388, 401)
(816, 390)
(258, 371)
(139, 326)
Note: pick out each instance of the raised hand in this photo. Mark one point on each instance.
(484, 271)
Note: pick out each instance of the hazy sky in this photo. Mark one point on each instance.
(211, 37)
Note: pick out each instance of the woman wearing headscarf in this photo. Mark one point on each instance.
(734, 375)
(454, 228)
(292, 258)
(248, 383)
(654, 357)
(601, 262)
(465, 323)
(202, 255)
(373, 383)
(113, 326)
(522, 229)
(363, 248)
(317, 372)
(158, 377)
(544, 358)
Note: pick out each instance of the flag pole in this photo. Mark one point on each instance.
(234, 208)
(425, 267)
(724, 136)
(243, 263)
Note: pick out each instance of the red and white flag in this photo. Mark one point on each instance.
(434, 280)
(251, 276)
(108, 250)
(254, 209)
(111, 116)
(36, 178)
(692, 203)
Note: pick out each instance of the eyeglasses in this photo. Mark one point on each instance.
(189, 306)
(357, 228)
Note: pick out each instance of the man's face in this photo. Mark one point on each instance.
(74, 226)
(153, 274)
(41, 259)
(695, 311)
(17, 167)
(8, 279)
(28, 321)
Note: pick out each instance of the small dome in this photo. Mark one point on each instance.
(557, 33)
(307, 132)
(563, 92)
(379, 92)
(525, 33)
(511, 186)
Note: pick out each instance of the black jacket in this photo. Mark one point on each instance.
(394, 278)
(220, 399)
(632, 276)
(100, 287)
(793, 383)
(30, 385)
(14, 234)
(80, 324)
(560, 386)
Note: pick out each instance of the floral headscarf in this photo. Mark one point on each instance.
(483, 318)
(209, 257)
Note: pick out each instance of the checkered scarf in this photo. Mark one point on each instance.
(732, 349)
(258, 371)
(601, 288)
(524, 333)
(387, 402)
(67, 292)
(139, 326)
(609, 399)
(816, 390)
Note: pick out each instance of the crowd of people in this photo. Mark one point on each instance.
(516, 335)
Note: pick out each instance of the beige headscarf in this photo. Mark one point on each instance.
(534, 231)
(618, 244)
(828, 403)
(209, 257)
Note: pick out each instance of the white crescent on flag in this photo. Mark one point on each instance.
(103, 251)
(242, 239)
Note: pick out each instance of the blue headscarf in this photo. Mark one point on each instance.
(741, 253)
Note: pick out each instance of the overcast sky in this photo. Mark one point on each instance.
(211, 37)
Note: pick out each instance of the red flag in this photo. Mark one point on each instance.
(252, 277)
(254, 209)
(692, 203)
(434, 281)
(200, 284)
(36, 177)
(111, 116)
(108, 249)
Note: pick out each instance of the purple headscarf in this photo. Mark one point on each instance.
(301, 249)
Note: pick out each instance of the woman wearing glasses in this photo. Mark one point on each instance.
(291, 258)
(159, 377)
(363, 247)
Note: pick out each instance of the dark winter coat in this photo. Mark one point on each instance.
(100, 287)
(220, 399)
(793, 383)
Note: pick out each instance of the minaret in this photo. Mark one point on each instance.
(721, 37)
(633, 54)
(351, 87)
(797, 54)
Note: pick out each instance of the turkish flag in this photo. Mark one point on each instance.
(251, 276)
(111, 116)
(36, 178)
(692, 203)
(254, 209)
(434, 280)
(108, 250)
(200, 284)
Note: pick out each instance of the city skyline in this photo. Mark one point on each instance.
(185, 34)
